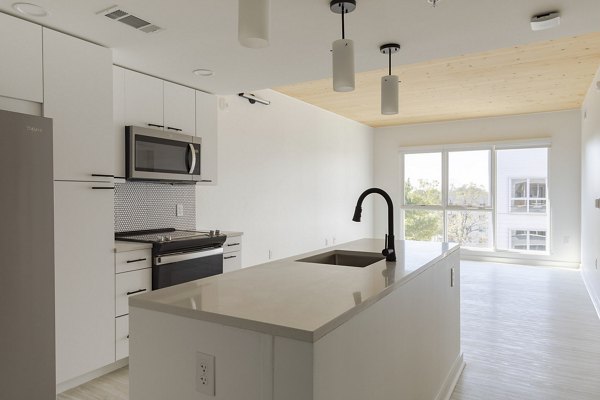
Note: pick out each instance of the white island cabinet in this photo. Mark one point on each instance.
(301, 330)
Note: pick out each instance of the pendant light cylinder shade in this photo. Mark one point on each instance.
(389, 95)
(343, 65)
(253, 23)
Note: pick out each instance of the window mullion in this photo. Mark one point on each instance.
(445, 193)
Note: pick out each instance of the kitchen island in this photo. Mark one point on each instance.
(299, 330)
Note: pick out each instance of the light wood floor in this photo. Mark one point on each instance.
(528, 334)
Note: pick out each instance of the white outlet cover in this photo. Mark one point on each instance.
(179, 210)
(205, 373)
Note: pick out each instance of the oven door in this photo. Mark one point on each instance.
(156, 155)
(173, 269)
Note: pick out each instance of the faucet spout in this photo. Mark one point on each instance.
(389, 252)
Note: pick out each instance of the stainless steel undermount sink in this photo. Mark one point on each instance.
(345, 258)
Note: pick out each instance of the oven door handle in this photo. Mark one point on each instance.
(173, 258)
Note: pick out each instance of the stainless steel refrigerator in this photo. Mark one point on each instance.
(27, 338)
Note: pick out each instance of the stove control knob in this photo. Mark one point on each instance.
(217, 232)
(169, 238)
(211, 233)
(161, 239)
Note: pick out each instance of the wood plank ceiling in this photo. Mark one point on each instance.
(539, 77)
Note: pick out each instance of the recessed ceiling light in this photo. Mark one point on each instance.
(203, 72)
(33, 10)
(545, 21)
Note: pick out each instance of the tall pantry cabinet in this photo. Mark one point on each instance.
(78, 97)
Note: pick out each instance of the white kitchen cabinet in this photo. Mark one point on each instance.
(84, 275)
(232, 253)
(133, 260)
(207, 129)
(121, 337)
(129, 284)
(180, 108)
(78, 97)
(143, 100)
(232, 261)
(119, 119)
(447, 291)
(21, 66)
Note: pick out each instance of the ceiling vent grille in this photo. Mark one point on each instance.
(117, 14)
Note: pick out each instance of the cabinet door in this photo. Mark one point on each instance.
(232, 261)
(78, 97)
(447, 292)
(207, 129)
(129, 284)
(21, 66)
(119, 119)
(143, 100)
(180, 108)
(85, 279)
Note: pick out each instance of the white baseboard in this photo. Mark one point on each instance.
(594, 295)
(80, 380)
(452, 379)
(473, 256)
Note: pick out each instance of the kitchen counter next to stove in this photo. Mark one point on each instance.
(121, 246)
(299, 300)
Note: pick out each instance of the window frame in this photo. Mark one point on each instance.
(528, 240)
(528, 197)
(494, 147)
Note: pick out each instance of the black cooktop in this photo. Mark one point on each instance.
(172, 240)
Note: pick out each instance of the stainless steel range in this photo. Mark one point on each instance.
(180, 256)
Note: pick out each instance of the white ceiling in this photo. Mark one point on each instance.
(203, 34)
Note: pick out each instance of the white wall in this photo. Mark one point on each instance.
(564, 165)
(289, 177)
(590, 190)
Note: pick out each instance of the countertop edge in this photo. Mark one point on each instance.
(226, 320)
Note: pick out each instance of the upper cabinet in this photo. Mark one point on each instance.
(119, 120)
(180, 108)
(78, 97)
(143, 100)
(21, 65)
(207, 129)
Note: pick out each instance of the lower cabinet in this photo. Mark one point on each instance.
(122, 337)
(84, 279)
(232, 254)
(133, 275)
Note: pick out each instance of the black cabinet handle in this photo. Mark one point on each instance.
(206, 180)
(233, 244)
(136, 291)
(134, 261)
(156, 125)
(174, 129)
(127, 336)
(103, 187)
(103, 175)
(227, 258)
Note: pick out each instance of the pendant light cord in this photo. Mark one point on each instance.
(343, 25)
(390, 62)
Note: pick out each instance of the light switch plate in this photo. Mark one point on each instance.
(179, 210)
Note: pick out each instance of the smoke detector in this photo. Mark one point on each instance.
(545, 21)
(118, 14)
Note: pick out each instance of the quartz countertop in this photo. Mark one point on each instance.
(299, 300)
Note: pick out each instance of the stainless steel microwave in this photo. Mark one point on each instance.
(161, 156)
